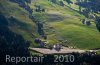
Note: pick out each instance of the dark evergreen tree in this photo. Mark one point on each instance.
(40, 9)
(53, 1)
(61, 3)
(40, 28)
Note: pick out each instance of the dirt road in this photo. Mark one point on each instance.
(53, 51)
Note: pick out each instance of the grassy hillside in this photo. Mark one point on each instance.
(19, 21)
(66, 25)
(60, 24)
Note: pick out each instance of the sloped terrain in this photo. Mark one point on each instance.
(19, 21)
(60, 24)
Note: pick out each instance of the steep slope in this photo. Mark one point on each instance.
(19, 21)
(61, 24)
(65, 24)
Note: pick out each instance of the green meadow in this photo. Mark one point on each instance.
(60, 23)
